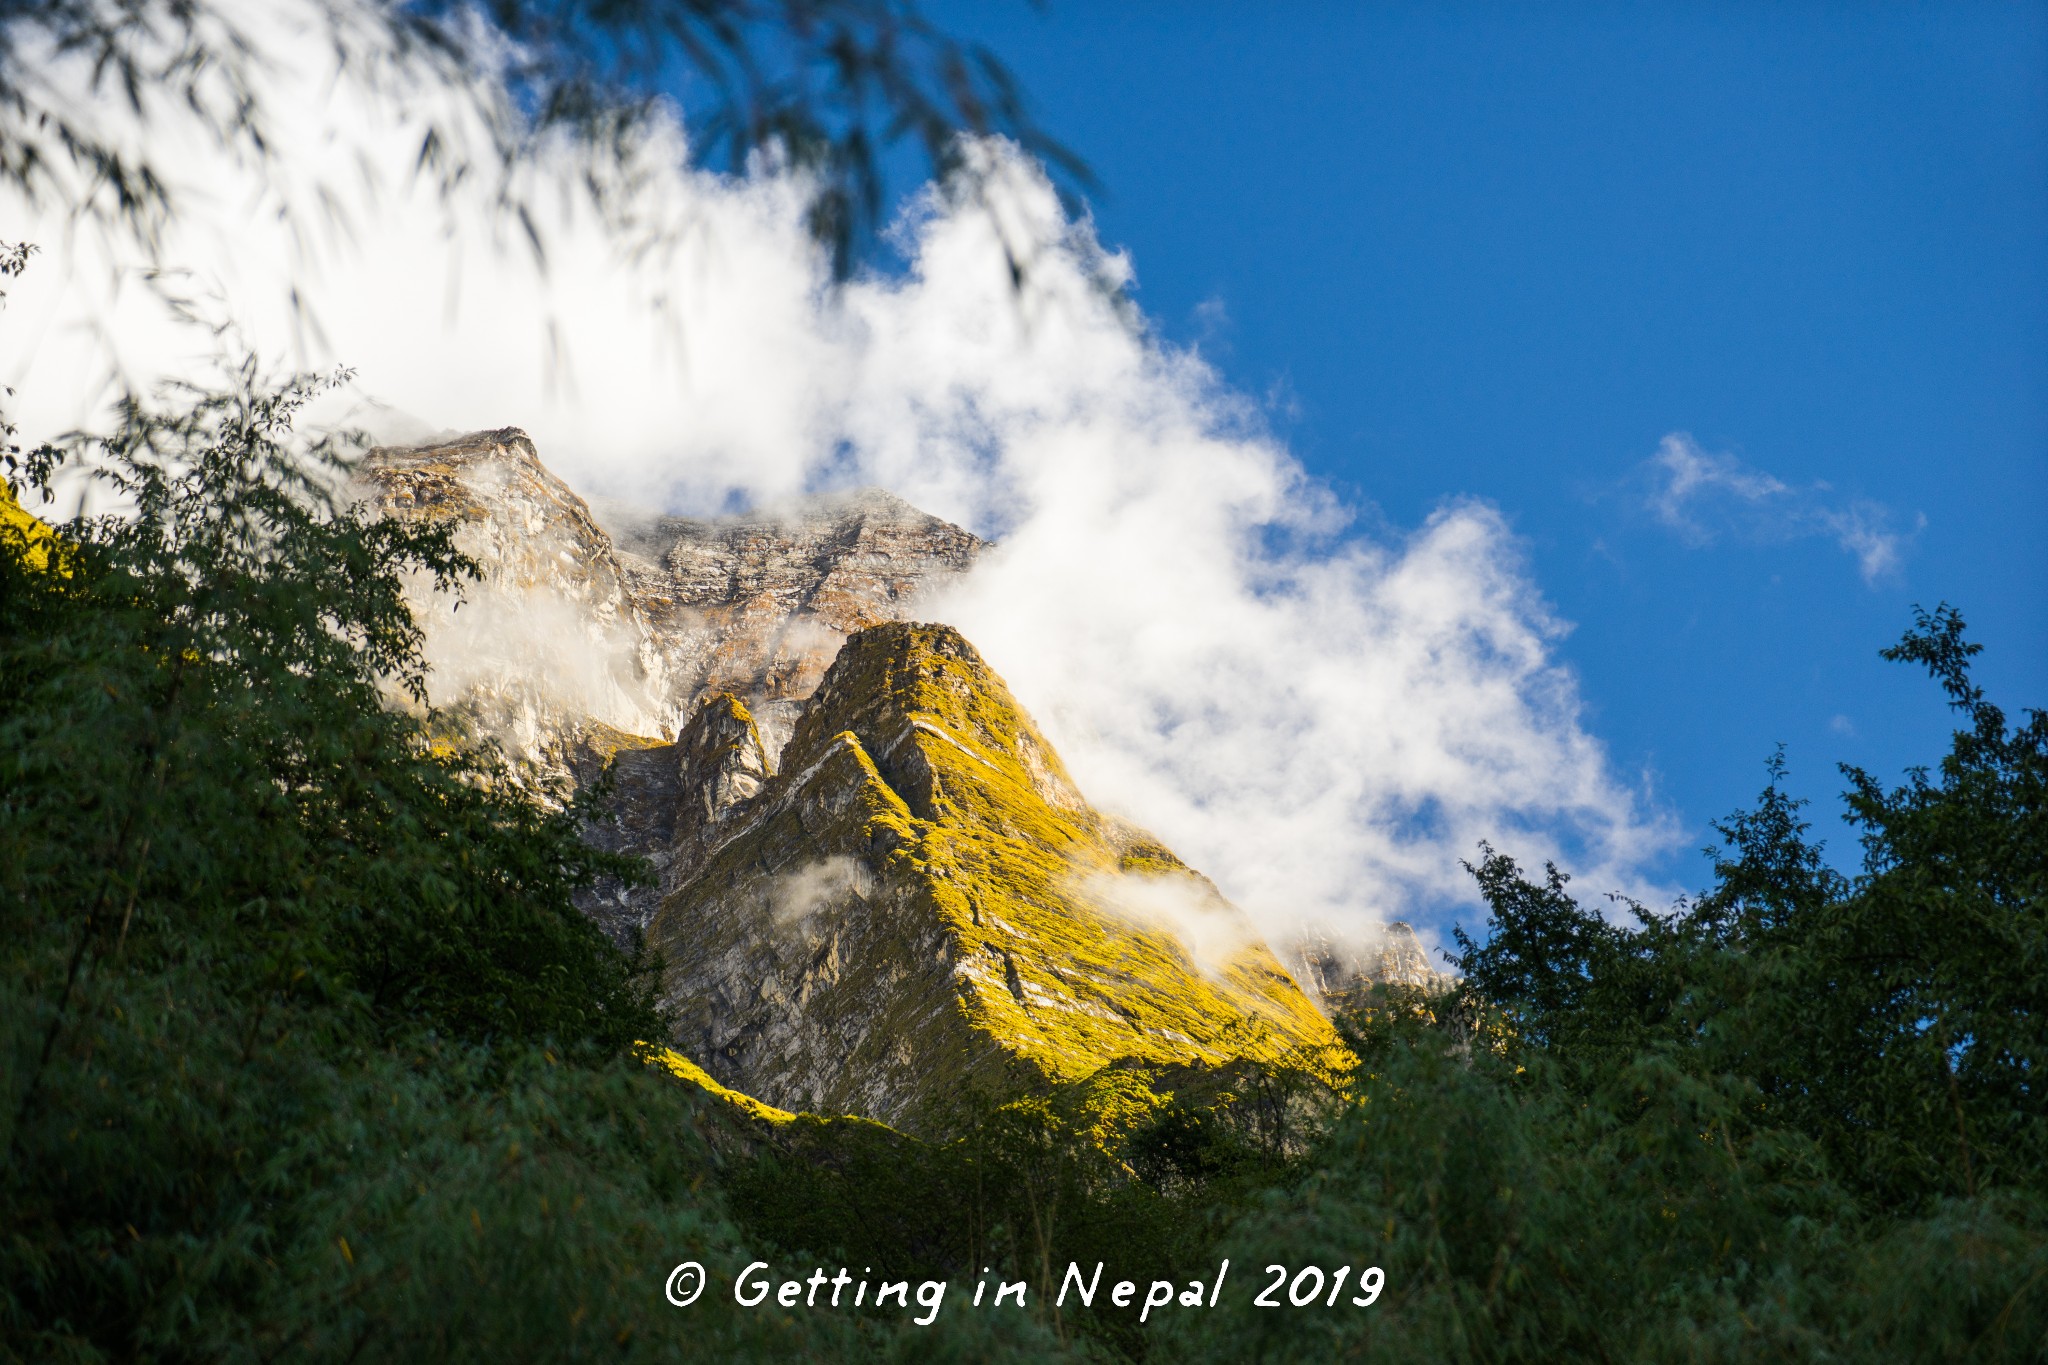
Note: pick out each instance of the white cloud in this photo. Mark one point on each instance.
(1691, 474)
(1323, 721)
(1702, 495)
(1864, 530)
(796, 898)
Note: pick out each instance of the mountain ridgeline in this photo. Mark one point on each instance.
(874, 881)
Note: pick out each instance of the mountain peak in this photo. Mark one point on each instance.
(921, 895)
(875, 878)
(891, 682)
(666, 612)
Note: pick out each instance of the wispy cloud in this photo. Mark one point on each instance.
(1703, 495)
(1864, 530)
(1691, 476)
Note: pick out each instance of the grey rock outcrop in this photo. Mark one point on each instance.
(758, 605)
(665, 802)
(1335, 971)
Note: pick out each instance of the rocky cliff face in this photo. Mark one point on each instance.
(636, 630)
(921, 897)
(667, 801)
(551, 646)
(757, 606)
(1336, 972)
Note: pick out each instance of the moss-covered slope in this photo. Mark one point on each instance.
(921, 898)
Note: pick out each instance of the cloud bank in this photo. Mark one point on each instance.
(1323, 720)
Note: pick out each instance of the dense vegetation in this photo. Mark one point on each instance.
(304, 1052)
(1799, 1118)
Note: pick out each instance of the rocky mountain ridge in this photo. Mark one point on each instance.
(921, 897)
(635, 630)
(874, 878)
(757, 605)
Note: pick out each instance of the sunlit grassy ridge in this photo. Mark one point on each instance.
(23, 535)
(683, 1069)
(1010, 845)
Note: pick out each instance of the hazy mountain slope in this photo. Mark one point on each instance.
(757, 605)
(1338, 972)
(636, 625)
(550, 642)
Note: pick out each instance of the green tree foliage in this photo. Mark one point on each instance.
(1799, 1118)
(1896, 1019)
(828, 86)
(1653, 1216)
(1138, 1168)
(196, 717)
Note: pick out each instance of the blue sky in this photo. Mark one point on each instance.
(1501, 252)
